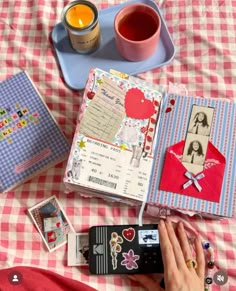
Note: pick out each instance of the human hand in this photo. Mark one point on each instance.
(175, 252)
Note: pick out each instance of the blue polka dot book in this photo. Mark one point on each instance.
(30, 138)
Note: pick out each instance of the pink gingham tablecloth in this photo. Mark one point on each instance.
(205, 63)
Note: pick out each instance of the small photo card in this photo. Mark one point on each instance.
(148, 237)
(51, 222)
(194, 154)
(201, 120)
(78, 249)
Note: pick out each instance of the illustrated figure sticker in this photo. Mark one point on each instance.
(115, 246)
(130, 260)
(74, 172)
(128, 233)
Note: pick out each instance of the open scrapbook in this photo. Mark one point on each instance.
(137, 144)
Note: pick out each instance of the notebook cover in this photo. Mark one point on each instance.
(30, 139)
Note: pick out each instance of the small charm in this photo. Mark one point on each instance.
(206, 245)
(211, 264)
(208, 280)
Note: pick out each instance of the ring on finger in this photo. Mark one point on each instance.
(191, 264)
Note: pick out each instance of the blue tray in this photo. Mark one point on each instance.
(75, 67)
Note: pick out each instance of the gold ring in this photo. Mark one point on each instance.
(191, 264)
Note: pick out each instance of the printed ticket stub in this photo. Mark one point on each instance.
(105, 167)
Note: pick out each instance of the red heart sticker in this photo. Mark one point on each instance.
(58, 224)
(172, 102)
(168, 109)
(137, 106)
(128, 233)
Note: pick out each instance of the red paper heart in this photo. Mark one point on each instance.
(168, 109)
(137, 106)
(172, 102)
(128, 233)
(58, 224)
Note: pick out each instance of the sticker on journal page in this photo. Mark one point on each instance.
(104, 115)
(115, 132)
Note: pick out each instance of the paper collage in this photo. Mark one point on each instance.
(192, 168)
(189, 182)
(115, 136)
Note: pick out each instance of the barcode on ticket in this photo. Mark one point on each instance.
(102, 182)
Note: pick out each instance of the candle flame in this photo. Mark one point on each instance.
(81, 24)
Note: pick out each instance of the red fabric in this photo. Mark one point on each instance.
(38, 280)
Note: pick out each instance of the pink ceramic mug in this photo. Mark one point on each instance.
(137, 31)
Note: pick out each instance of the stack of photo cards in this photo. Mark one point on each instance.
(51, 222)
(78, 249)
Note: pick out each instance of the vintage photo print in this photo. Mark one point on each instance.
(195, 149)
(51, 222)
(78, 249)
(195, 152)
(200, 120)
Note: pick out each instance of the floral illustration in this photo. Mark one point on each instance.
(130, 260)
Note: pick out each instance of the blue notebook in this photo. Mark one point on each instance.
(30, 139)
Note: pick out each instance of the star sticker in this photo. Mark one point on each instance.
(99, 81)
(130, 260)
(82, 144)
(123, 147)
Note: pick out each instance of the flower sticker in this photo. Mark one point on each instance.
(130, 260)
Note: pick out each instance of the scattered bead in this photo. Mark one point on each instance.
(208, 280)
(206, 245)
(211, 264)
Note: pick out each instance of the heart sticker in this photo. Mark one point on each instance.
(128, 233)
(58, 224)
(137, 106)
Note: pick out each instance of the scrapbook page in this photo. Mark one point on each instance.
(111, 152)
(136, 144)
(30, 139)
(194, 166)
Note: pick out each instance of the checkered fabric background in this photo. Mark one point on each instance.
(204, 35)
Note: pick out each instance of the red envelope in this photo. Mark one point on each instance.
(173, 174)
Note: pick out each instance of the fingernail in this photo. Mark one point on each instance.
(132, 277)
(168, 220)
(161, 223)
(181, 225)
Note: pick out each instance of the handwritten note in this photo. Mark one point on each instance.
(103, 116)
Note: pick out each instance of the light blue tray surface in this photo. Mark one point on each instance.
(75, 67)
